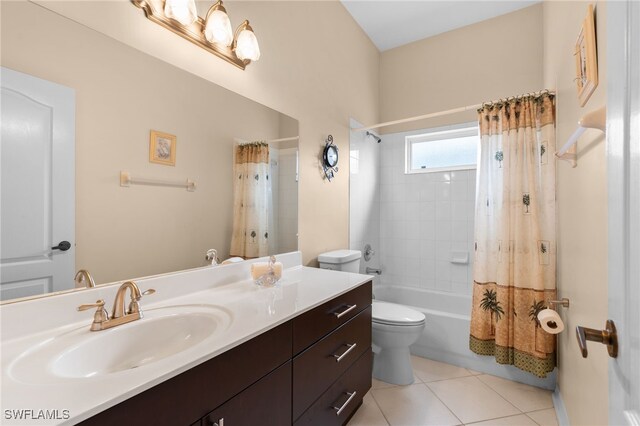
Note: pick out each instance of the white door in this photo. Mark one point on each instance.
(623, 153)
(37, 205)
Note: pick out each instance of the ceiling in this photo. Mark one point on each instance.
(391, 24)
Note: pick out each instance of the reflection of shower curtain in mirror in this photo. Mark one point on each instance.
(250, 235)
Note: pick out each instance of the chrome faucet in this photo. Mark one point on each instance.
(212, 257)
(101, 319)
(84, 279)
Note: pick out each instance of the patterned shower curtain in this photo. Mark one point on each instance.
(514, 271)
(250, 235)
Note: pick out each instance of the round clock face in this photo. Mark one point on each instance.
(331, 156)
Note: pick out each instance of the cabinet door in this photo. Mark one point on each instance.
(267, 402)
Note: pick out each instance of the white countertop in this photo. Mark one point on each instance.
(253, 310)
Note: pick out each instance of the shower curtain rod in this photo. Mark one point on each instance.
(293, 138)
(449, 111)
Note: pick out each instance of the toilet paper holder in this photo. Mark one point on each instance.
(564, 302)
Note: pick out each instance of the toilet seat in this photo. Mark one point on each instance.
(394, 314)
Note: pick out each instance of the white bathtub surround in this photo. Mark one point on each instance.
(287, 216)
(426, 219)
(515, 237)
(364, 195)
(252, 310)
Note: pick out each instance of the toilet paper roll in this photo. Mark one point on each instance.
(550, 321)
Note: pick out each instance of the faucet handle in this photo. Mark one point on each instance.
(99, 317)
(134, 306)
(99, 304)
(144, 293)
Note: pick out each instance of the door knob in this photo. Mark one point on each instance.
(62, 246)
(608, 337)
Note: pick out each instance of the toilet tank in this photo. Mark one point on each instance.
(341, 260)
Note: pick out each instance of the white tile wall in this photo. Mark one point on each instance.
(422, 218)
(364, 190)
(287, 201)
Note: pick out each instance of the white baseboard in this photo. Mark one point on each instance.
(561, 410)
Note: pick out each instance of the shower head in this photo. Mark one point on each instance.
(377, 138)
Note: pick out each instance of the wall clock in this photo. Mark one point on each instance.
(330, 158)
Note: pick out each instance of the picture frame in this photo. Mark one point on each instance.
(162, 148)
(586, 59)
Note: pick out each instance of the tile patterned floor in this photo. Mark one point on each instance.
(445, 394)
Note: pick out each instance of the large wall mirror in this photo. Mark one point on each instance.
(111, 97)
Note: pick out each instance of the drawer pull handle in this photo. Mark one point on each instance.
(219, 422)
(350, 348)
(346, 311)
(339, 409)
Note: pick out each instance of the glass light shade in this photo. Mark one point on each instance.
(247, 46)
(183, 11)
(218, 28)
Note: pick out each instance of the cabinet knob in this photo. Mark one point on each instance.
(350, 347)
(348, 309)
(339, 410)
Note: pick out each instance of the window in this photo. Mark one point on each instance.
(442, 150)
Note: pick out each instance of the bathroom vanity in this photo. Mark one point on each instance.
(297, 354)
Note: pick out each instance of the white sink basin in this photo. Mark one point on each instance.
(82, 354)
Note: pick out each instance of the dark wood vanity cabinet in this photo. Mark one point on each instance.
(267, 402)
(315, 369)
(312, 370)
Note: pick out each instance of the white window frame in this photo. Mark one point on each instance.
(450, 132)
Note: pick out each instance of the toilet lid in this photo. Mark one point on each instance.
(394, 314)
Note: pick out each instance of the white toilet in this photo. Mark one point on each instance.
(341, 260)
(394, 327)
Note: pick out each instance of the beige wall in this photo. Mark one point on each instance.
(122, 93)
(496, 58)
(582, 215)
(316, 66)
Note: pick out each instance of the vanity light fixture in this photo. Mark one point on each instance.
(213, 33)
(218, 25)
(246, 43)
(183, 11)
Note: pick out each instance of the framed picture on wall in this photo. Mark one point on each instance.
(586, 58)
(162, 148)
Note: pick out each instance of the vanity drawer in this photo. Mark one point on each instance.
(356, 379)
(311, 326)
(315, 369)
(267, 402)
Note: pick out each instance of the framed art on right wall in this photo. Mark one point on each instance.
(586, 58)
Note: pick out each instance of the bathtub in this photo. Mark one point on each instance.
(446, 335)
